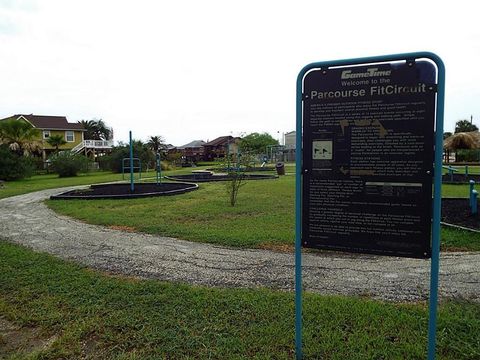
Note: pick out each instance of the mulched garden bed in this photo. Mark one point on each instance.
(459, 178)
(122, 191)
(457, 212)
(207, 177)
(249, 169)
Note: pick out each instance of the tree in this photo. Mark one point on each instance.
(235, 166)
(96, 130)
(156, 143)
(256, 143)
(20, 136)
(56, 141)
(66, 164)
(465, 126)
(14, 166)
(446, 135)
(114, 161)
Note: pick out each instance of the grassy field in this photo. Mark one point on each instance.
(51, 181)
(51, 309)
(56, 310)
(263, 216)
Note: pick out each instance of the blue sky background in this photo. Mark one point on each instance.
(200, 69)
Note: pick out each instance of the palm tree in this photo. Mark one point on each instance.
(20, 136)
(56, 141)
(103, 131)
(96, 130)
(465, 126)
(156, 143)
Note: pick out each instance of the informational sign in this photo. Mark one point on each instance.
(368, 153)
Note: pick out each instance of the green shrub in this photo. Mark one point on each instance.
(105, 162)
(66, 164)
(465, 155)
(14, 166)
(113, 162)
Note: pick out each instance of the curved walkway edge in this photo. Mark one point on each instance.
(25, 220)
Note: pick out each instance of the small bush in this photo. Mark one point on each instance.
(14, 166)
(465, 155)
(66, 164)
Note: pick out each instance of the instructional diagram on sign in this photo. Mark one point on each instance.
(322, 150)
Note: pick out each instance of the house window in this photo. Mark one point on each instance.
(46, 134)
(69, 136)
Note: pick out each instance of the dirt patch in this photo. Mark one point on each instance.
(122, 228)
(285, 248)
(458, 212)
(15, 339)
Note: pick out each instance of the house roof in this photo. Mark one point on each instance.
(219, 141)
(51, 122)
(192, 144)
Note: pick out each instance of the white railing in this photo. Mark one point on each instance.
(93, 144)
(98, 144)
(78, 147)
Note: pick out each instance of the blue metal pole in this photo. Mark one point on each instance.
(470, 193)
(435, 263)
(474, 202)
(159, 168)
(132, 186)
(298, 219)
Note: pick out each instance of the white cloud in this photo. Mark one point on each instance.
(199, 69)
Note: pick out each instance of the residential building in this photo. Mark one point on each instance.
(193, 151)
(220, 146)
(73, 134)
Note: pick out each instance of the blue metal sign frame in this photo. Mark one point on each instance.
(437, 185)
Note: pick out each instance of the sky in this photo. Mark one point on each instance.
(190, 70)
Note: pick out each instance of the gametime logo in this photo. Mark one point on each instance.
(372, 72)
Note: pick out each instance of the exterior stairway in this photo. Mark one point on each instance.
(93, 144)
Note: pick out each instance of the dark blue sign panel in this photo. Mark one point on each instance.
(368, 152)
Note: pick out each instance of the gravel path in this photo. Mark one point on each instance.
(25, 220)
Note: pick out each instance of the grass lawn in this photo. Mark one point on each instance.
(61, 310)
(51, 181)
(263, 216)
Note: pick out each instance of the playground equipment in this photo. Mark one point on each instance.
(129, 191)
(451, 170)
(459, 174)
(137, 165)
(158, 168)
(473, 197)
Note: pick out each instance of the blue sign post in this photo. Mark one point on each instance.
(373, 87)
(132, 185)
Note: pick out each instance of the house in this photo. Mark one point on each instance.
(219, 147)
(193, 151)
(73, 133)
